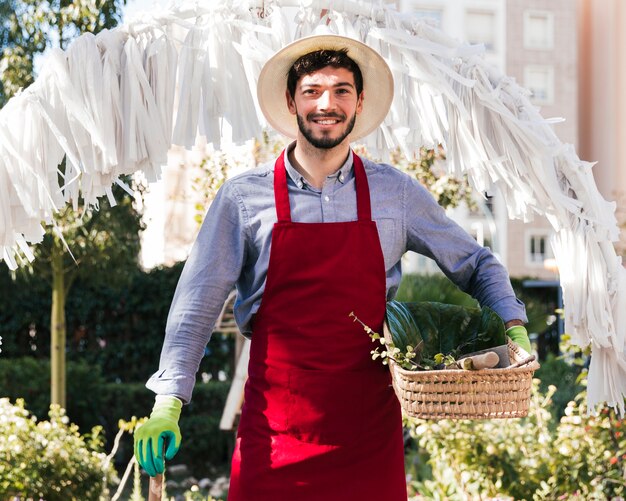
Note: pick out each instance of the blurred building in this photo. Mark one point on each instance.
(602, 97)
(534, 41)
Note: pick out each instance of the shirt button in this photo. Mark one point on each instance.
(326, 198)
(341, 177)
(300, 184)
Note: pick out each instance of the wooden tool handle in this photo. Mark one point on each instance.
(156, 488)
(478, 362)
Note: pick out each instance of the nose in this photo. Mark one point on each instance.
(325, 101)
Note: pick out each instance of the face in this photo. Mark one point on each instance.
(326, 104)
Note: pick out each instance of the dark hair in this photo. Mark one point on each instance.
(313, 61)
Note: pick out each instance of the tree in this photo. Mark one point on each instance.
(102, 242)
(29, 27)
(102, 245)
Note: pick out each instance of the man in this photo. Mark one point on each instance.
(306, 240)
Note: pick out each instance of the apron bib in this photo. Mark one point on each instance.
(320, 420)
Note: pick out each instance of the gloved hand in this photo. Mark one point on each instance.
(161, 429)
(519, 335)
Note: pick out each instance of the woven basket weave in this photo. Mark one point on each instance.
(462, 394)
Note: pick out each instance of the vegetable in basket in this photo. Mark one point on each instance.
(431, 335)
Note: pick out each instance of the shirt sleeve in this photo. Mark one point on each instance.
(209, 274)
(473, 268)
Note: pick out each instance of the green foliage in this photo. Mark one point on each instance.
(205, 448)
(555, 371)
(213, 171)
(29, 379)
(93, 402)
(442, 328)
(198, 495)
(28, 28)
(96, 239)
(103, 243)
(435, 288)
(119, 329)
(429, 169)
(49, 459)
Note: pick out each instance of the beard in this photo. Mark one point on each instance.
(325, 142)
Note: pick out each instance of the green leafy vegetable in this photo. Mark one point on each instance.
(439, 328)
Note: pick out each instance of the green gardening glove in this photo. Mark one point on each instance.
(519, 335)
(161, 429)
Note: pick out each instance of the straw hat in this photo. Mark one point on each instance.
(377, 83)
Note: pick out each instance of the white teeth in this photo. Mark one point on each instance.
(327, 122)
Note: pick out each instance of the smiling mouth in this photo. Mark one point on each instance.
(326, 119)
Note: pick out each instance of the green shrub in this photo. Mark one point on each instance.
(555, 371)
(93, 402)
(29, 378)
(486, 458)
(49, 459)
(121, 330)
(437, 288)
(580, 457)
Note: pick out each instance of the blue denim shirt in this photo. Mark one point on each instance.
(233, 247)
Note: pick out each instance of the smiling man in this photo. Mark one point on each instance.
(307, 239)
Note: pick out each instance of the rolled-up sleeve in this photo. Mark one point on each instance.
(473, 268)
(209, 274)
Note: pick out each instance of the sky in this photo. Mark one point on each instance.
(133, 7)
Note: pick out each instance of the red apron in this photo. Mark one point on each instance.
(320, 420)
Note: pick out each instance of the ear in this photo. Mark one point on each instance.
(359, 102)
(291, 104)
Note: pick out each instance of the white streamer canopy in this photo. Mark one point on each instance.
(108, 105)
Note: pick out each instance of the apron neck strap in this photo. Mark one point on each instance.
(281, 193)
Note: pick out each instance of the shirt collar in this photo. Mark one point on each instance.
(342, 175)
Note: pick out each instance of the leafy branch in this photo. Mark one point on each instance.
(406, 359)
(411, 359)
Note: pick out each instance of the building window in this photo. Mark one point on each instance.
(480, 28)
(538, 249)
(538, 30)
(540, 81)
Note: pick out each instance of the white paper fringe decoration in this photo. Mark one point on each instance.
(108, 104)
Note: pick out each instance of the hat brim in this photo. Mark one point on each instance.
(377, 83)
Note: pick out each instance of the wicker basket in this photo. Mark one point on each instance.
(460, 394)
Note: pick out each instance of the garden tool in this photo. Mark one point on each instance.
(487, 360)
(156, 488)
(483, 360)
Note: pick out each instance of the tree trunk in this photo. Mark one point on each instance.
(57, 327)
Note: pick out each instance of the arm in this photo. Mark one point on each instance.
(473, 268)
(210, 273)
